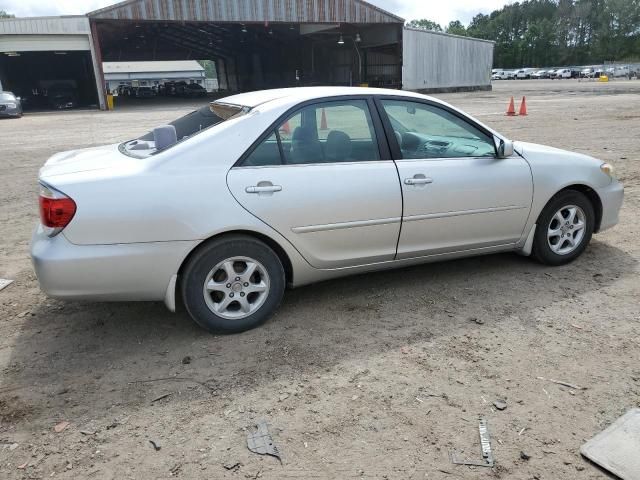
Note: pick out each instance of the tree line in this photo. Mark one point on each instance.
(538, 33)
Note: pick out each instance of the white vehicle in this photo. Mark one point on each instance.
(525, 73)
(289, 187)
(587, 72)
(562, 73)
(499, 75)
(618, 71)
(511, 74)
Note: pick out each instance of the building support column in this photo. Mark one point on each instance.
(96, 58)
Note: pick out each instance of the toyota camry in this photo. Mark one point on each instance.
(226, 207)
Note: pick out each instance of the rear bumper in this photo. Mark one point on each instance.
(612, 197)
(138, 271)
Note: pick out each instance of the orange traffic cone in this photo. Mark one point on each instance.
(511, 111)
(523, 107)
(286, 128)
(323, 121)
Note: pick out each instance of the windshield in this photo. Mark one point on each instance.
(186, 127)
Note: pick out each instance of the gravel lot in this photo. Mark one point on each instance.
(376, 376)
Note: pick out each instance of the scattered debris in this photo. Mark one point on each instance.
(232, 466)
(23, 466)
(261, 442)
(13, 446)
(564, 384)
(156, 446)
(500, 404)
(186, 360)
(283, 397)
(524, 456)
(4, 283)
(485, 444)
(87, 432)
(616, 448)
(23, 314)
(522, 431)
(175, 469)
(477, 320)
(405, 350)
(157, 399)
(59, 428)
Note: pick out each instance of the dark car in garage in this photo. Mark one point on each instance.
(194, 90)
(62, 96)
(10, 105)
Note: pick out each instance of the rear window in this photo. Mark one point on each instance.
(186, 127)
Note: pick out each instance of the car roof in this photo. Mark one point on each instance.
(301, 94)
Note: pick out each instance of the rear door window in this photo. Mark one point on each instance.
(328, 132)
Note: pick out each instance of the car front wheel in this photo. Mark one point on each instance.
(233, 284)
(564, 229)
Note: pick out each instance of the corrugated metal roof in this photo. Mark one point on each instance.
(248, 11)
(152, 67)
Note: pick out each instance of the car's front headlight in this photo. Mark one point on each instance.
(607, 169)
(10, 105)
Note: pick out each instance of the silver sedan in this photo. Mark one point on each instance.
(228, 206)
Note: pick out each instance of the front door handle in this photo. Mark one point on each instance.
(264, 187)
(418, 180)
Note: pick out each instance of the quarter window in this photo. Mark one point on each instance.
(426, 131)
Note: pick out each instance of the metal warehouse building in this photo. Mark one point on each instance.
(259, 44)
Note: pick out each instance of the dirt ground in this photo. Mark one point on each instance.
(376, 376)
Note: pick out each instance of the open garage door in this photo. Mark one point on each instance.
(49, 80)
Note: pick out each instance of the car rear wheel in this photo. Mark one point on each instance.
(233, 284)
(564, 229)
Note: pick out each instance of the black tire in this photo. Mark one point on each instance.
(541, 248)
(199, 267)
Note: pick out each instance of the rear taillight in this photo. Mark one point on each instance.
(56, 209)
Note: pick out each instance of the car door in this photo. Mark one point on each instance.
(457, 195)
(324, 179)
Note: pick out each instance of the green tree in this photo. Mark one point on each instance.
(209, 68)
(425, 24)
(456, 27)
(4, 14)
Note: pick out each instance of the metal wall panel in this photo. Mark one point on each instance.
(249, 11)
(433, 60)
(78, 25)
(43, 43)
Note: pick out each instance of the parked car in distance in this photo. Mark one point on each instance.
(587, 72)
(245, 220)
(499, 75)
(511, 74)
(525, 73)
(540, 74)
(619, 71)
(144, 92)
(194, 90)
(561, 73)
(10, 105)
(62, 96)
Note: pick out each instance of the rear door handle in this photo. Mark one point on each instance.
(418, 180)
(263, 189)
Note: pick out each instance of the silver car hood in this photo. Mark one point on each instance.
(532, 151)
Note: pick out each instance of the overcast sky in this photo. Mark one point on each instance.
(442, 11)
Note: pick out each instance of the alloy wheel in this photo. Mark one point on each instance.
(236, 288)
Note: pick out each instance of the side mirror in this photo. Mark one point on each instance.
(504, 148)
